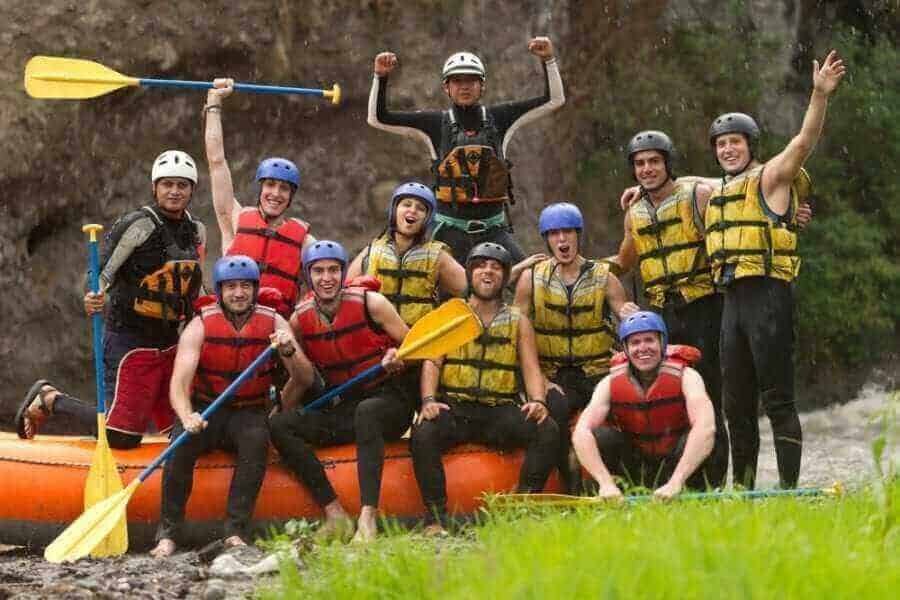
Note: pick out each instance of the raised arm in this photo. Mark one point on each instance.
(226, 206)
(524, 291)
(627, 256)
(355, 269)
(780, 171)
(585, 443)
(700, 438)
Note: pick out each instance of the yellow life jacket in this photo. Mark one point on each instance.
(744, 238)
(486, 369)
(409, 282)
(571, 331)
(670, 247)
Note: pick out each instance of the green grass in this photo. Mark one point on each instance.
(776, 548)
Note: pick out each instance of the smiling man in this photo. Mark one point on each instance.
(344, 331)
(473, 393)
(650, 420)
(214, 349)
(263, 232)
(570, 300)
(150, 272)
(751, 239)
(467, 144)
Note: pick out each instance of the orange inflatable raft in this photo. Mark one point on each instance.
(43, 482)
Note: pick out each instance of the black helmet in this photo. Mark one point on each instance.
(734, 123)
(489, 250)
(651, 140)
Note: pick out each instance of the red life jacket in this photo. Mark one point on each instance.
(276, 251)
(347, 345)
(226, 353)
(654, 421)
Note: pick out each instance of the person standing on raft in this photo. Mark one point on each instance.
(216, 347)
(467, 144)
(570, 301)
(150, 268)
(650, 420)
(473, 393)
(751, 239)
(263, 232)
(344, 331)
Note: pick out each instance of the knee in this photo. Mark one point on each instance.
(548, 432)
(424, 435)
(608, 438)
(366, 417)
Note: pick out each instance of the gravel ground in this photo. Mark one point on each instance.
(837, 447)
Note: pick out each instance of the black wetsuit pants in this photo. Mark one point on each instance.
(502, 427)
(622, 458)
(379, 415)
(757, 366)
(577, 391)
(461, 242)
(240, 430)
(699, 324)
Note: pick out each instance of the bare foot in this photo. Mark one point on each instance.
(366, 527)
(234, 541)
(39, 410)
(435, 530)
(165, 547)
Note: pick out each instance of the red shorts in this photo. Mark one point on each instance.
(140, 391)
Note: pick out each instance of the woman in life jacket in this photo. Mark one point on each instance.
(413, 269)
(650, 420)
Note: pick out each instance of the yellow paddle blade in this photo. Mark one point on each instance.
(71, 78)
(443, 330)
(90, 529)
(103, 481)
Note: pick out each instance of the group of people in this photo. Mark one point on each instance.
(717, 258)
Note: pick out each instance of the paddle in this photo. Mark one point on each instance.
(103, 478)
(444, 329)
(566, 500)
(77, 79)
(88, 531)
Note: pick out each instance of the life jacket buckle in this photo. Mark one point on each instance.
(475, 226)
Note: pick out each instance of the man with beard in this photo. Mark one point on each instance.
(664, 235)
(650, 420)
(467, 144)
(473, 393)
(751, 239)
(214, 349)
(263, 232)
(344, 331)
(150, 266)
(570, 300)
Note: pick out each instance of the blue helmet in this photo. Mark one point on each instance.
(321, 250)
(278, 168)
(561, 215)
(230, 268)
(412, 189)
(642, 321)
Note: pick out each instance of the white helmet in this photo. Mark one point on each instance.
(463, 63)
(174, 163)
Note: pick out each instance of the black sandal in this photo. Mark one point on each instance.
(33, 392)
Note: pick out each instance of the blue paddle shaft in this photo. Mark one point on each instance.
(238, 87)
(97, 326)
(217, 403)
(324, 398)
